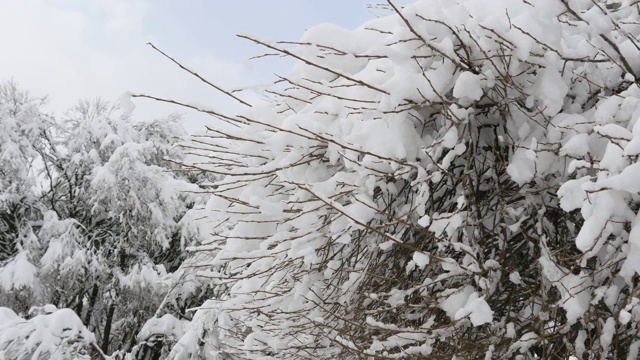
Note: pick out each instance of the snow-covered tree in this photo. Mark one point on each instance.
(120, 187)
(23, 141)
(104, 237)
(457, 179)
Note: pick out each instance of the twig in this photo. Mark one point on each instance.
(199, 77)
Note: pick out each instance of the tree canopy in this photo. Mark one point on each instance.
(91, 206)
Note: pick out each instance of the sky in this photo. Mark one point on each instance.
(78, 49)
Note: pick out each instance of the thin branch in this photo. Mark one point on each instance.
(199, 76)
(308, 62)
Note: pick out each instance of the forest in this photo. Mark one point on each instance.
(453, 180)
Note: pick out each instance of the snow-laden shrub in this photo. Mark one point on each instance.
(50, 333)
(458, 179)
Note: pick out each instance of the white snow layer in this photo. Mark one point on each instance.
(54, 334)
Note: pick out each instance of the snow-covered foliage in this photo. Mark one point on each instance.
(21, 126)
(458, 179)
(94, 204)
(48, 334)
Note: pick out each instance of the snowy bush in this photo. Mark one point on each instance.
(457, 179)
(51, 334)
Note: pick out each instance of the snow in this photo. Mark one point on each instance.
(624, 317)
(421, 259)
(450, 138)
(469, 86)
(514, 277)
(631, 266)
(525, 342)
(456, 301)
(445, 223)
(613, 131)
(424, 221)
(125, 102)
(627, 180)
(7, 315)
(167, 325)
(19, 273)
(51, 334)
(392, 138)
(550, 89)
(577, 146)
(477, 309)
(522, 168)
(575, 300)
(579, 344)
(608, 331)
(572, 193)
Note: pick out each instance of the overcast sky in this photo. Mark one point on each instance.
(72, 49)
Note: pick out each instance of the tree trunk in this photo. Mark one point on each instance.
(92, 303)
(107, 329)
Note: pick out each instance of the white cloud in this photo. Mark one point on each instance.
(121, 15)
(38, 49)
(75, 49)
